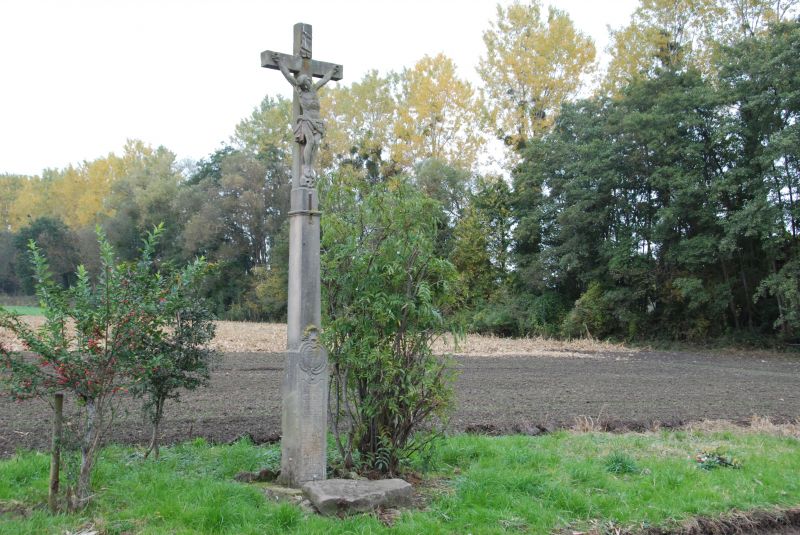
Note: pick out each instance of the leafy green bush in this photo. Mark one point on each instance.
(498, 317)
(519, 314)
(131, 328)
(386, 296)
(592, 316)
(174, 353)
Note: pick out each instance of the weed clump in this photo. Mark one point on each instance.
(621, 464)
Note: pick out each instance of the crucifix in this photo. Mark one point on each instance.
(304, 417)
(300, 70)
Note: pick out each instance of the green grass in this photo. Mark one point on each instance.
(24, 310)
(488, 485)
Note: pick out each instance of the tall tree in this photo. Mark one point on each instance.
(762, 195)
(531, 67)
(142, 198)
(57, 241)
(438, 116)
(233, 211)
(33, 199)
(748, 18)
(617, 209)
(77, 194)
(493, 205)
(9, 281)
(470, 256)
(665, 33)
(9, 189)
(268, 128)
(450, 186)
(360, 118)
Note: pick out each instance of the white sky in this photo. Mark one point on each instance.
(79, 77)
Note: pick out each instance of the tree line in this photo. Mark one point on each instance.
(657, 198)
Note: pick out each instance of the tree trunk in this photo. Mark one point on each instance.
(153, 446)
(55, 449)
(154, 442)
(747, 295)
(731, 303)
(779, 298)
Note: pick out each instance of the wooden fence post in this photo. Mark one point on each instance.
(55, 458)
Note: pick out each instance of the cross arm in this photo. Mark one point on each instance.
(295, 65)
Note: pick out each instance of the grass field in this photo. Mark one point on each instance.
(23, 310)
(471, 484)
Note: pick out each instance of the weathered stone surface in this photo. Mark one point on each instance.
(281, 494)
(335, 496)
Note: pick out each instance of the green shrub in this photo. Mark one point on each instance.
(519, 314)
(591, 316)
(133, 327)
(386, 296)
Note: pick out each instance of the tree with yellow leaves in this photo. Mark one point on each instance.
(531, 67)
(663, 34)
(682, 33)
(9, 188)
(76, 195)
(438, 116)
(747, 18)
(359, 121)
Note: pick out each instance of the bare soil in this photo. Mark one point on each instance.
(503, 386)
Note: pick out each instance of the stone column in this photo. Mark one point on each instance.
(305, 381)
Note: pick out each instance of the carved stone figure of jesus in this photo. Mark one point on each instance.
(309, 129)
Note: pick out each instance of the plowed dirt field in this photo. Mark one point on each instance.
(503, 386)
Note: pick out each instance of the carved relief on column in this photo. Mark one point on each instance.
(313, 358)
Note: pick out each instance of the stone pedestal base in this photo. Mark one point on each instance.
(336, 496)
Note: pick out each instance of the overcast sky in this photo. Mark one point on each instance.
(79, 77)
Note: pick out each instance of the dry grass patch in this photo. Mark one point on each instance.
(247, 337)
(761, 425)
(587, 424)
(476, 345)
(271, 338)
(232, 336)
(236, 336)
(9, 341)
(757, 424)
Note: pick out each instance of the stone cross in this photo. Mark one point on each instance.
(304, 421)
